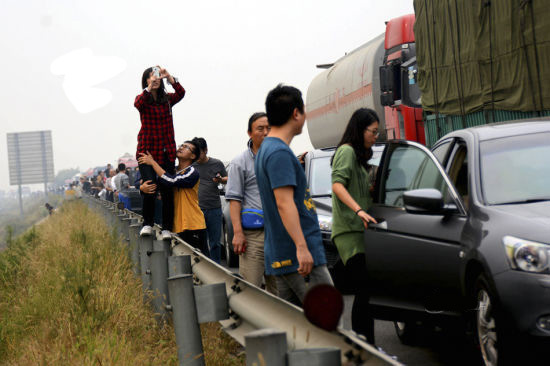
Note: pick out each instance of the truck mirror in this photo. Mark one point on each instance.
(390, 84)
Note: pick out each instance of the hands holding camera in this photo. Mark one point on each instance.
(156, 77)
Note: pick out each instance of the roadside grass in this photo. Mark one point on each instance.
(11, 222)
(68, 296)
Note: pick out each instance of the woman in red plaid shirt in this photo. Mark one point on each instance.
(156, 136)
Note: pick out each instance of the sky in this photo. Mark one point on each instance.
(74, 67)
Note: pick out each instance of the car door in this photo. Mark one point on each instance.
(413, 260)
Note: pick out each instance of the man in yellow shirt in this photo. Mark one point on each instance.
(188, 218)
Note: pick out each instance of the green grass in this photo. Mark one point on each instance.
(68, 296)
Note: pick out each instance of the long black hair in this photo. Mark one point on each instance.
(360, 120)
(161, 92)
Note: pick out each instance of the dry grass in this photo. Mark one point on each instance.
(68, 297)
(219, 348)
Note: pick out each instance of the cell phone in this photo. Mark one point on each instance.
(156, 71)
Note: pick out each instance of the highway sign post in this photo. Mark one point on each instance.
(30, 156)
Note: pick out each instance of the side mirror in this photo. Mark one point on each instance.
(426, 201)
(390, 80)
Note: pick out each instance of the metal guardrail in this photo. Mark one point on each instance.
(251, 308)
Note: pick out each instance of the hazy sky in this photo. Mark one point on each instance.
(74, 67)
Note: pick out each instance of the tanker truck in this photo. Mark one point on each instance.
(444, 68)
(357, 81)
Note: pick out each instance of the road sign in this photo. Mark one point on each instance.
(30, 157)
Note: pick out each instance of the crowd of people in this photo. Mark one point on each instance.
(275, 225)
(107, 184)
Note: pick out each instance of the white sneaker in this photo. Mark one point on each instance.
(146, 230)
(166, 234)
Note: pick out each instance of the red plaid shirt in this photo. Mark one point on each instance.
(157, 126)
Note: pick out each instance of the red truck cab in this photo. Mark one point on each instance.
(400, 95)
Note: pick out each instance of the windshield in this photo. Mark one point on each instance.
(320, 173)
(516, 169)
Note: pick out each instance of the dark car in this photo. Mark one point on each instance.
(464, 233)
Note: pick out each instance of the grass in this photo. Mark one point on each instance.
(68, 296)
(12, 224)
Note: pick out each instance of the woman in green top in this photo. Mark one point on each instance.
(350, 200)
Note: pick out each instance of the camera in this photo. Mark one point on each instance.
(156, 71)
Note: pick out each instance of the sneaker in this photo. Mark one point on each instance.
(166, 234)
(146, 230)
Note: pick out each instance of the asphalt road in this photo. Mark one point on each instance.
(436, 348)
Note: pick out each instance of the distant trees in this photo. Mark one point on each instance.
(64, 175)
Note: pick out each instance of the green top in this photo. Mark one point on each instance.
(347, 170)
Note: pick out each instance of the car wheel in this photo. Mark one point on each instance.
(408, 332)
(230, 256)
(496, 341)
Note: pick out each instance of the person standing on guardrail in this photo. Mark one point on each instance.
(351, 184)
(293, 245)
(245, 207)
(212, 173)
(156, 136)
(188, 218)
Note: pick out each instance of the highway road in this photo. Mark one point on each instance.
(438, 348)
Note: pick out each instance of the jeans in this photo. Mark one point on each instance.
(292, 287)
(213, 219)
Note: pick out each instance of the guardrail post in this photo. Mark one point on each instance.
(120, 217)
(111, 213)
(179, 264)
(159, 275)
(126, 222)
(186, 325)
(315, 357)
(145, 249)
(266, 347)
(133, 230)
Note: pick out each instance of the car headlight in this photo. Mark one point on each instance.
(325, 222)
(526, 255)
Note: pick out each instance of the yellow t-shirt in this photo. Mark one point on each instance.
(187, 213)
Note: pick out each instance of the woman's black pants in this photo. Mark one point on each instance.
(361, 319)
(166, 193)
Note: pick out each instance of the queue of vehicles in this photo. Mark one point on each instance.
(463, 233)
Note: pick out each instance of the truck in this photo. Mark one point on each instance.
(443, 68)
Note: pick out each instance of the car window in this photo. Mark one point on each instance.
(458, 172)
(515, 169)
(410, 168)
(441, 150)
(320, 181)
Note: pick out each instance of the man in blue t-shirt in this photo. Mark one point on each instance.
(293, 247)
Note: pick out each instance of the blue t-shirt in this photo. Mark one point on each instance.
(276, 166)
